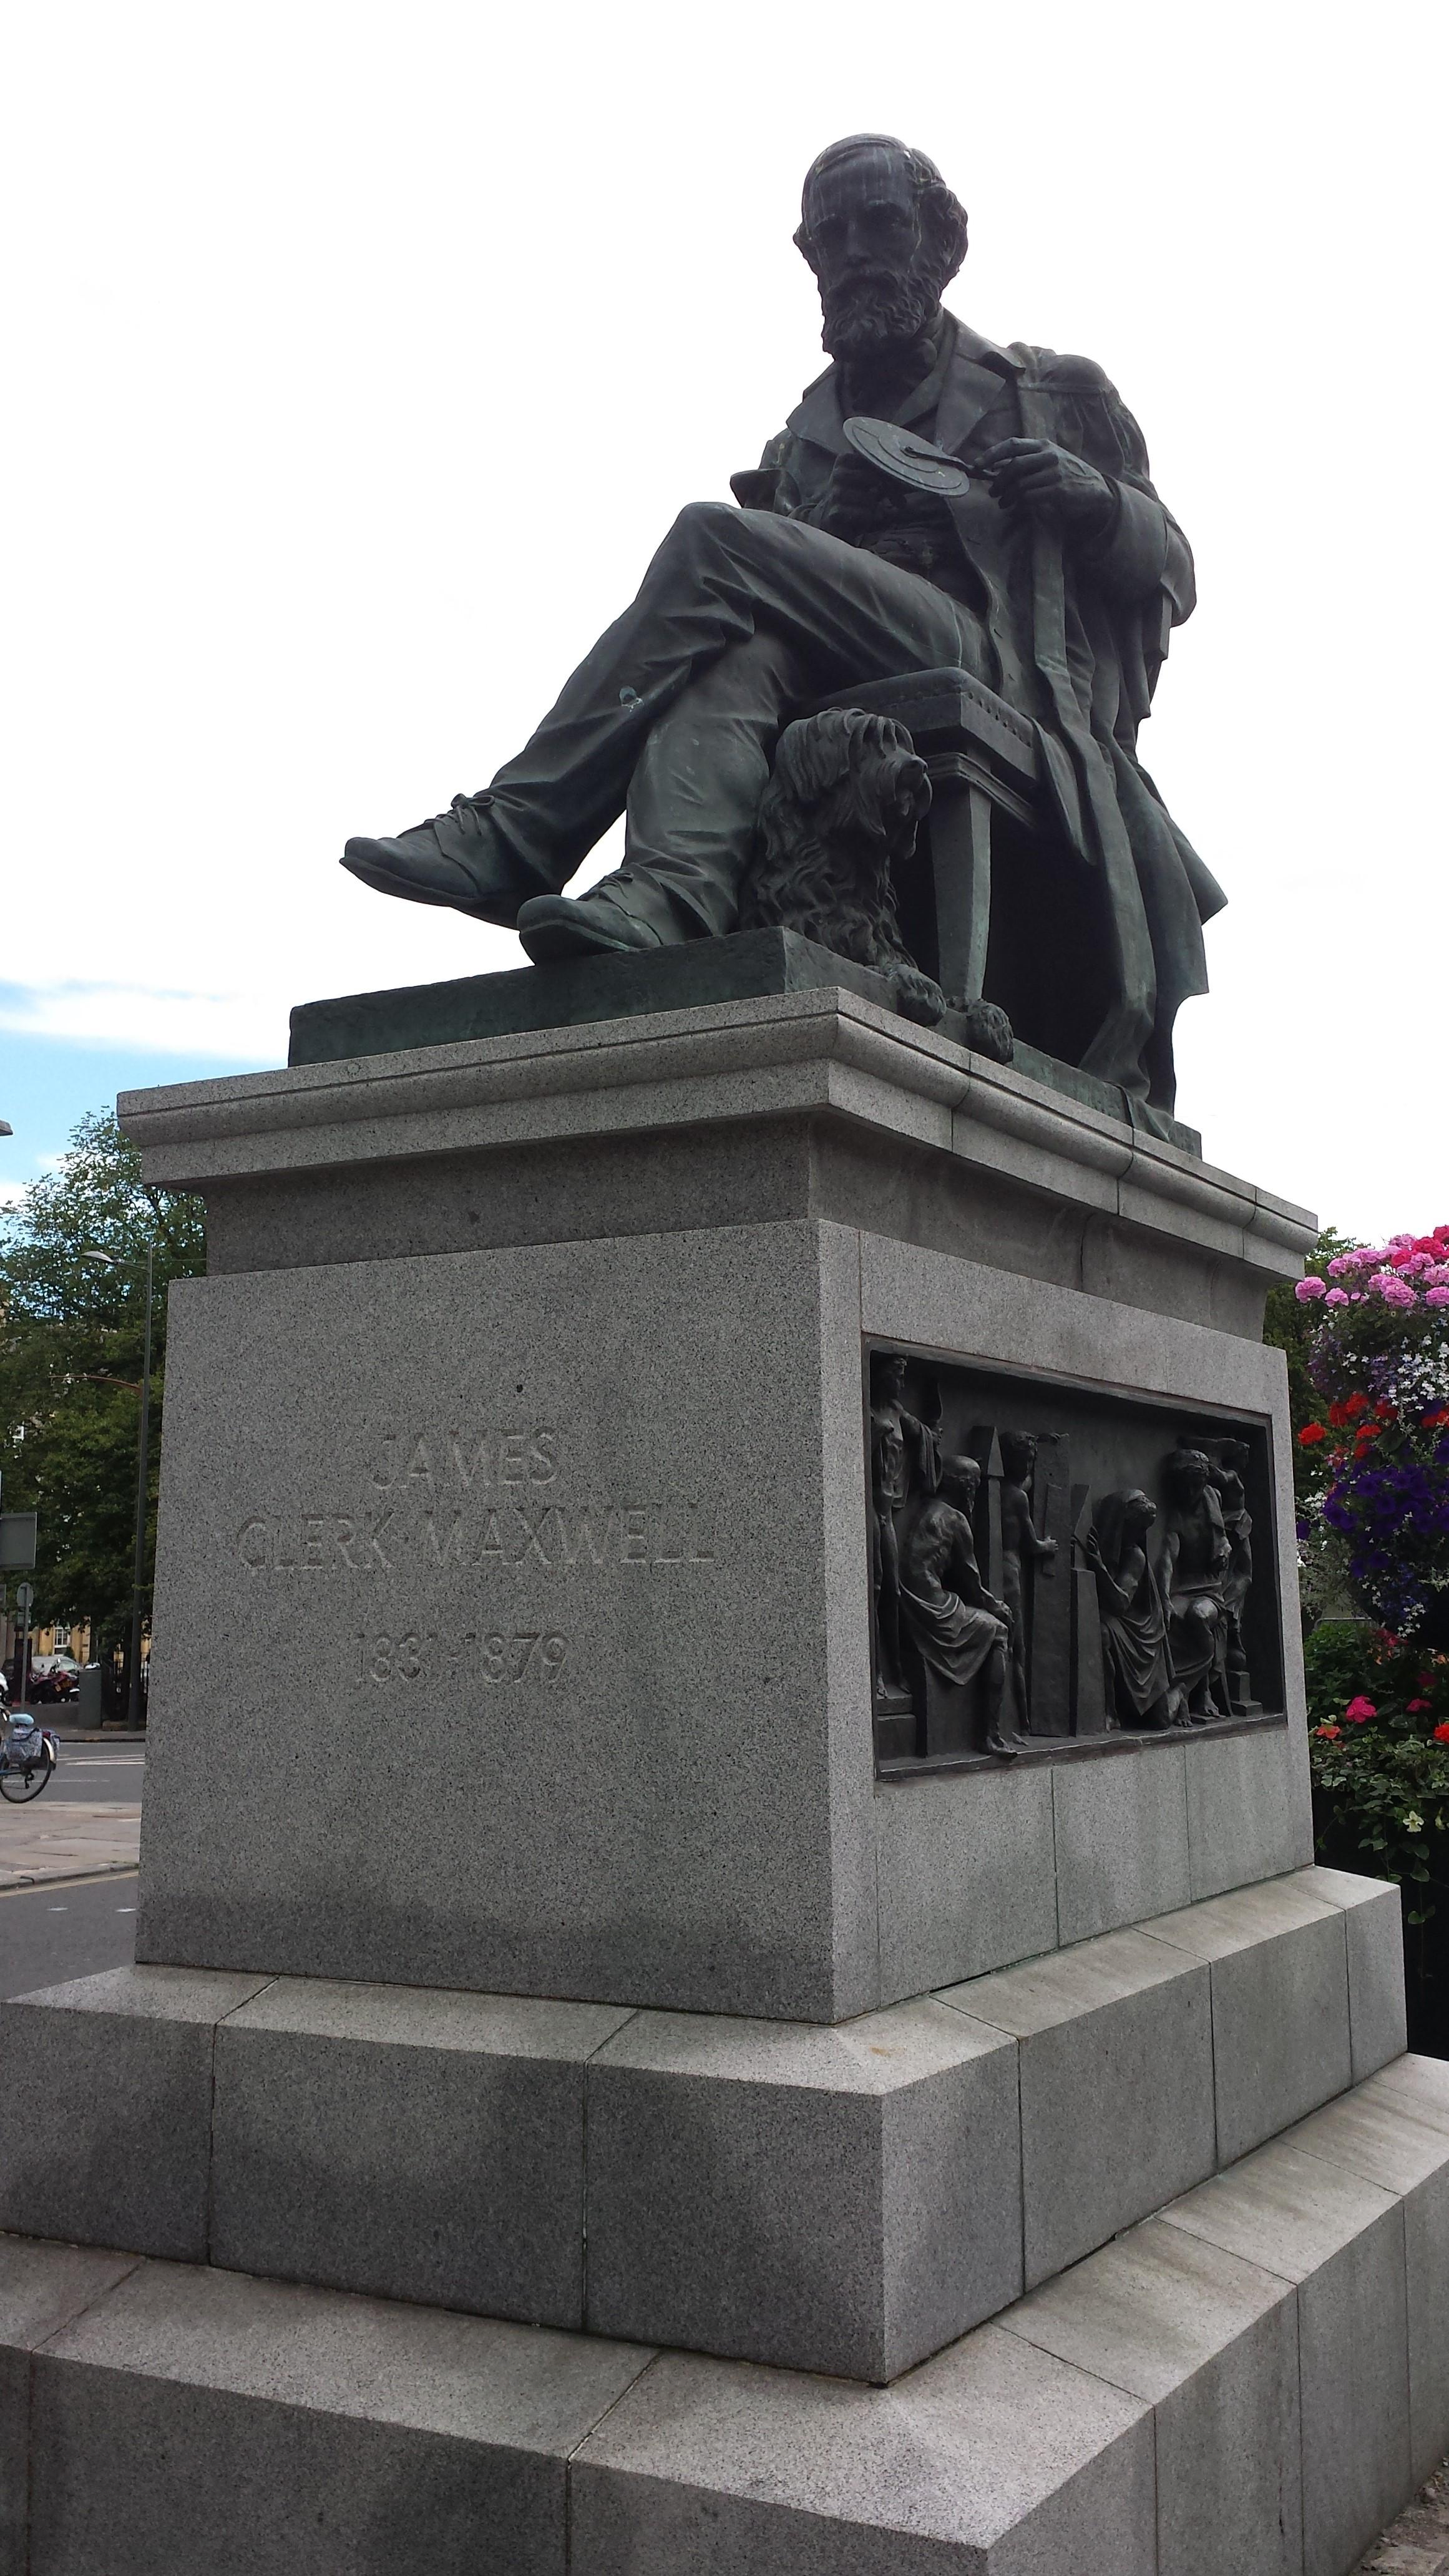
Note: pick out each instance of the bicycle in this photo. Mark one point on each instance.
(28, 1756)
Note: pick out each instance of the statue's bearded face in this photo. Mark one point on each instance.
(878, 285)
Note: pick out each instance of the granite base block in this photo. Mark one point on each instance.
(1394, 2131)
(845, 2201)
(195, 2419)
(1121, 1838)
(105, 2107)
(846, 2198)
(1373, 1919)
(1341, 2241)
(43, 2288)
(421, 2145)
(1280, 2003)
(967, 1877)
(634, 1699)
(1249, 1809)
(1212, 2342)
(1116, 2069)
(1160, 2410)
(991, 2458)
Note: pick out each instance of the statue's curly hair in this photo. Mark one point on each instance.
(847, 792)
(942, 215)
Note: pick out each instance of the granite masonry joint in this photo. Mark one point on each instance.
(1225, 2385)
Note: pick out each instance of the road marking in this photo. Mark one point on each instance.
(86, 1878)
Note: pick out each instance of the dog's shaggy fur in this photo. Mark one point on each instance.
(842, 807)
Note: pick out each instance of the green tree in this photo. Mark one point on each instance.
(72, 1339)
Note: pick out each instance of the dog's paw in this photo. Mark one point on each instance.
(988, 1029)
(916, 997)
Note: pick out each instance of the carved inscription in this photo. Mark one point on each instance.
(477, 1500)
(430, 1654)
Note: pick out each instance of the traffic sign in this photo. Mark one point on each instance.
(24, 1595)
(17, 1540)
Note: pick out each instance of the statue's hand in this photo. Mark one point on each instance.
(1049, 482)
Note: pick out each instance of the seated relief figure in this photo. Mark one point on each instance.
(1053, 580)
(957, 1626)
(1141, 1691)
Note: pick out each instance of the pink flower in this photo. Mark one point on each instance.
(1339, 1297)
(1393, 1290)
(1437, 1275)
(1360, 1710)
(1341, 1261)
(1309, 1288)
(1436, 1296)
(1417, 1707)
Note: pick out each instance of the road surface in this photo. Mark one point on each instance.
(72, 1926)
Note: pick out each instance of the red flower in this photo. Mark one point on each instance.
(1441, 1734)
(1426, 1681)
(1360, 1710)
(1311, 1434)
(1332, 1733)
(1417, 1707)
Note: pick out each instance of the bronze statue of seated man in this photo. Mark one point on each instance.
(1053, 579)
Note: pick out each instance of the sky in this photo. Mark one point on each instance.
(361, 356)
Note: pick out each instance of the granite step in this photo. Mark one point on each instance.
(1248, 2381)
(847, 2199)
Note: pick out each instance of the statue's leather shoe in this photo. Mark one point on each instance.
(455, 858)
(555, 926)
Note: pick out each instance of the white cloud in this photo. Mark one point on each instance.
(226, 1025)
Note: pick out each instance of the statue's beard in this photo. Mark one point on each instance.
(874, 315)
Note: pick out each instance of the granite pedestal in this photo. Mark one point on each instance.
(587, 2101)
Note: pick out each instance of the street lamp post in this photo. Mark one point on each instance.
(138, 1570)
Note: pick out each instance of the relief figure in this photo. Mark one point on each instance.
(1133, 1614)
(958, 1628)
(1021, 1549)
(1230, 1460)
(904, 1452)
(1192, 1570)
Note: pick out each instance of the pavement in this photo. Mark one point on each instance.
(1418, 2544)
(86, 1823)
